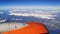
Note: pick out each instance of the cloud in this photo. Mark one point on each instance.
(31, 7)
(2, 20)
(1, 12)
(16, 19)
(40, 14)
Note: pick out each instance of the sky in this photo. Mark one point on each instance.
(29, 3)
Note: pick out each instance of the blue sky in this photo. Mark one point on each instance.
(9, 4)
(29, 3)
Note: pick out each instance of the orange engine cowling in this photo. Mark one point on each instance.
(33, 28)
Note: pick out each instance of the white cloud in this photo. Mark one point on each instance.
(1, 12)
(2, 20)
(16, 19)
(40, 14)
(31, 7)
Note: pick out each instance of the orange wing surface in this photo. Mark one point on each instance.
(33, 28)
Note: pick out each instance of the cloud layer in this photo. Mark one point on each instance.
(36, 13)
